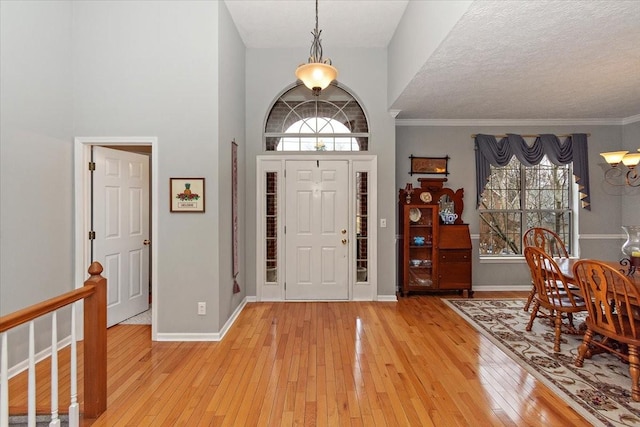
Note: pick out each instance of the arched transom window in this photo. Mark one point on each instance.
(332, 121)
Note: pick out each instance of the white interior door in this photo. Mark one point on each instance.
(316, 237)
(121, 224)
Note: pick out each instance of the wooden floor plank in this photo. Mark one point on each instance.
(408, 363)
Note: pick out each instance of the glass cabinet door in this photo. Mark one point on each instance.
(419, 231)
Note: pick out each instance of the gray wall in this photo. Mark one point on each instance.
(136, 68)
(599, 229)
(153, 68)
(269, 72)
(36, 153)
(231, 90)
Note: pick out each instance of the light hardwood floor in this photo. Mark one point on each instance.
(409, 363)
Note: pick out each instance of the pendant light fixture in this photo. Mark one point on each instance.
(317, 73)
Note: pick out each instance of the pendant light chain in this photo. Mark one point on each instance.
(317, 73)
(316, 46)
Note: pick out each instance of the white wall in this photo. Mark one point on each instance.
(36, 153)
(150, 68)
(363, 72)
(599, 228)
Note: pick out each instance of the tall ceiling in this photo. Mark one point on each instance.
(505, 59)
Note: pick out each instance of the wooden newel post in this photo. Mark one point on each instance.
(95, 344)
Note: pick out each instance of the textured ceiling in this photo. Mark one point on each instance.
(518, 59)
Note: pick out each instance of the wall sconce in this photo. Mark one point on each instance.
(632, 178)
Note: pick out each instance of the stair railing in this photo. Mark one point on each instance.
(94, 294)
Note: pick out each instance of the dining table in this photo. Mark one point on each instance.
(565, 265)
(566, 269)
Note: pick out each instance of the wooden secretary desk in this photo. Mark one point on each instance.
(433, 255)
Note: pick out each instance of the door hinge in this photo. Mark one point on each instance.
(285, 229)
(92, 235)
(92, 166)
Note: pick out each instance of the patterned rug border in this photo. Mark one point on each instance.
(538, 375)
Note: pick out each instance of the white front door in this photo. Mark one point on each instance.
(121, 225)
(316, 236)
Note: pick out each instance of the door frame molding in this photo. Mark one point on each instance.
(82, 197)
(361, 291)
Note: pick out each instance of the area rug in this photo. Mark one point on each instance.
(600, 391)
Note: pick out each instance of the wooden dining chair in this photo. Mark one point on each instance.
(552, 292)
(547, 240)
(612, 299)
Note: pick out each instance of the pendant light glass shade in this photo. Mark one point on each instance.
(316, 74)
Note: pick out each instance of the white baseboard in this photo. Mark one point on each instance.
(212, 336)
(387, 298)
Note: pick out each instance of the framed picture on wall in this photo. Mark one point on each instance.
(429, 165)
(234, 215)
(186, 194)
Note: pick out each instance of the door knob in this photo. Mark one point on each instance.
(344, 231)
(344, 241)
(146, 242)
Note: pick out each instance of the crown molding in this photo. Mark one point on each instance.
(632, 119)
(516, 122)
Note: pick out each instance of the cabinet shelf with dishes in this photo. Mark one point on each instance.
(434, 255)
(419, 253)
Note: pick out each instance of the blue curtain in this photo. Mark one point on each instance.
(490, 151)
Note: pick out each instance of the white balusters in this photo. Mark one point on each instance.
(74, 407)
(31, 397)
(4, 382)
(55, 421)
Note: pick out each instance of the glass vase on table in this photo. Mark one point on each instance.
(631, 248)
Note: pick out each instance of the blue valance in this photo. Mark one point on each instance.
(490, 151)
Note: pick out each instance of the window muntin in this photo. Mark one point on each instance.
(362, 229)
(271, 220)
(332, 121)
(324, 138)
(517, 198)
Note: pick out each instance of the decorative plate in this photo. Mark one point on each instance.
(415, 214)
(426, 197)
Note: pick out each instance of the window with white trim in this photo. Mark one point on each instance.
(517, 198)
(332, 121)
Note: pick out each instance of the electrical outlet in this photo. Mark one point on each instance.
(383, 222)
(202, 308)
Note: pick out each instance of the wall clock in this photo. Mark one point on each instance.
(425, 196)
